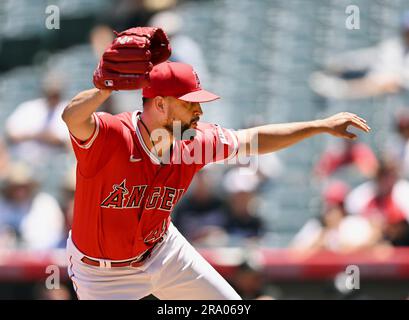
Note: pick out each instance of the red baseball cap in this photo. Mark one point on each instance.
(177, 80)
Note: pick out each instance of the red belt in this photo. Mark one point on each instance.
(134, 263)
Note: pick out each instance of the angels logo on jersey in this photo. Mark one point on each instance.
(162, 198)
(156, 234)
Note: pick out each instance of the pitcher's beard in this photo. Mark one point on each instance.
(184, 128)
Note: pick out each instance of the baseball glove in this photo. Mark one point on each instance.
(126, 63)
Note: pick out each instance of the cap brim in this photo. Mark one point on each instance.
(199, 96)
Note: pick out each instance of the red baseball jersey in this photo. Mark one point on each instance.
(124, 195)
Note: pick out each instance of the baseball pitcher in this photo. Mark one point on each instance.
(134, 167)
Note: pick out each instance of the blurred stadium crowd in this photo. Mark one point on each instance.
(303, 64)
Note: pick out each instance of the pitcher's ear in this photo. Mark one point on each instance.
(159, 102)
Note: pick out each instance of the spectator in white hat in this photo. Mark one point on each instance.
(30, 219)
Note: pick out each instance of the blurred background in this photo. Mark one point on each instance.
(287, 230)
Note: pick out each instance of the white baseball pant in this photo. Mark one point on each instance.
(174, 271)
